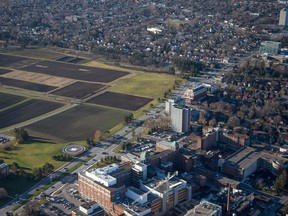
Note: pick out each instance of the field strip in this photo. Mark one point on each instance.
(16, 104)
(39, 118)
(39, 78)
(38, 95)
(108, 107)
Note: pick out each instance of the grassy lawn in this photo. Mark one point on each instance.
(145, 84)
(140, 83)
(105, 162)
(32, 52)
(34, 155)
(117, 149)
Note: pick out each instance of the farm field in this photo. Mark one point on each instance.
(80, 90)
(41, 53)
(144, 84)
(121, 101)
(70, 59)
(39, 78)
(4, 71)
(73, 71)
(26, 85)
(14, 61)
(7, 100)
(76, 124)
(25, 111)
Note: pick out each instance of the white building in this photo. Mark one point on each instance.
(102, 176)
(283, 19)
(154, 30)
(168, 106)
(180, 118)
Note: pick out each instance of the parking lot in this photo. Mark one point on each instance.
(4, 139)
(66, 200)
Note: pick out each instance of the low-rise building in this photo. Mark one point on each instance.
(105, 185)
(247, 160)
(88, 209)
(165, 145)
(194, 92)
(205, 208)
(270, 47)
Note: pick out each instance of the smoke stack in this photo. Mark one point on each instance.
(228, 201)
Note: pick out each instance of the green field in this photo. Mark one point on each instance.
(140, 83)
(145, 84)
(33, 155)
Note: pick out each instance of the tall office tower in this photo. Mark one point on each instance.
(180, 118)
(283, 19)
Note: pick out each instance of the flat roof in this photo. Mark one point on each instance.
(136, 190)
(173, 182)
(204, 208)
(168, 144)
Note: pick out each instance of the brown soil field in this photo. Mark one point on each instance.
(26, 85)
(15, 61)
(119, 100)
(9, 99)
(70, 59)
(73, 71)
(4, 71)
(25, 111)
(39, 78)
(76, 124)
(80, 90)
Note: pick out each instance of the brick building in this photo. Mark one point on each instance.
(207, 141)
(194, 92)
(105, 185)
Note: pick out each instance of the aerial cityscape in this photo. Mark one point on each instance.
(144, 108)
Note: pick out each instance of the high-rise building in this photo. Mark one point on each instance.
(283, 19)
(139, 173)
(168, 106)
(180, 118)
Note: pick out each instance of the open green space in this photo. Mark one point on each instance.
(77, 124)
(139, 83)
(145, 84)
(33, 155)
(9, 99)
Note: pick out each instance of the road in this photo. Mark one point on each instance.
(124, 134)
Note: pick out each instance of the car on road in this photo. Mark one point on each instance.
(104, 153)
